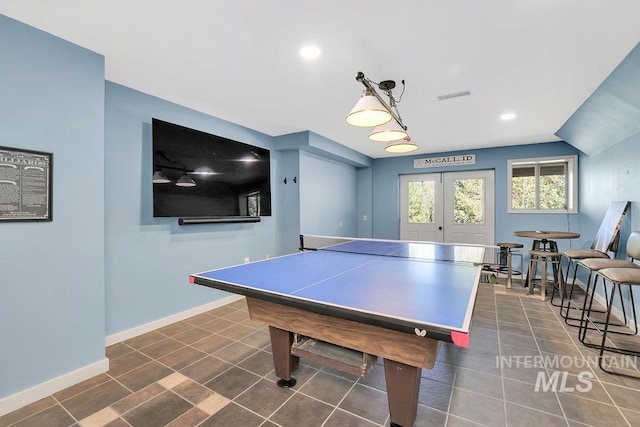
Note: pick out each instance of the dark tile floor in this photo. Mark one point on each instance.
(524, 367)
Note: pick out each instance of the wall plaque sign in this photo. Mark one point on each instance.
(444, 161)
(25, 185)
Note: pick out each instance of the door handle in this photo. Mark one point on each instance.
(440, 228)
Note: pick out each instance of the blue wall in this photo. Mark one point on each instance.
(612, 174)
(606, 127)
(365, 202)
(328, 194)
(288, 202)
(52, 274)
(148, 259)
(386, 190)
(328, 188)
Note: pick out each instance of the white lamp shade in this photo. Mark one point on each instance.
(402, 146)
(368, 112)
(185, 181)
(390, 131)
(160, 178)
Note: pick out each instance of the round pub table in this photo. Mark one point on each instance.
(546, 241)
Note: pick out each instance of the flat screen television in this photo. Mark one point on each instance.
(200, 175)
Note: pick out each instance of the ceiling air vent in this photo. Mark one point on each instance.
(454, 95)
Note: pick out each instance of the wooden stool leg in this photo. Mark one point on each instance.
(521, 270)
(562, 285)
(531, 273)
(534, 247)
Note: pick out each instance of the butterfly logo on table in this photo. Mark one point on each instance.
(420, 332)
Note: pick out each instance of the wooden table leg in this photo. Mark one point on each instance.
(283, 361)
(403, 388)
(557, 267)
(535, 246)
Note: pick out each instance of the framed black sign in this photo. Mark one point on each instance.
(25, 185)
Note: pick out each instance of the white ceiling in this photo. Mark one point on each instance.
(238, 60)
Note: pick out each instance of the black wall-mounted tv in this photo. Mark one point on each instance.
(199, 175)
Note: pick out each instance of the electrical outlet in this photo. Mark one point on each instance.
(266, 256)
(364, 217)
(340, 224)
(246, 260)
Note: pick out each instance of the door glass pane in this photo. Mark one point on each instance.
(553, 190)
(523, 188)
(468, 199)
(421, 202)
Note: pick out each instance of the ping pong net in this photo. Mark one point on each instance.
(428, 251)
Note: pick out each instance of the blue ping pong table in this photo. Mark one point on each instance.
(393, 299)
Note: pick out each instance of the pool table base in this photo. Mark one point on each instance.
(404, 354)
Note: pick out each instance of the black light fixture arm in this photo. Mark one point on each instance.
(385, 86)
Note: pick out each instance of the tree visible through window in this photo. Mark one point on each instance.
(468, 201)
(553, 186)
(468, 198)
(421, 202)
(543, 185)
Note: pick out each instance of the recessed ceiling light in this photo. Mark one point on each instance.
(310, 52)
(508, 116)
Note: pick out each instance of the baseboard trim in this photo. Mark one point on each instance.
(42, 390)
(47, 388)
(148, 327)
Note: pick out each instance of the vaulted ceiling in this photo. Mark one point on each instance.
(612, 112)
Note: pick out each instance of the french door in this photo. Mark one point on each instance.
(450, 207)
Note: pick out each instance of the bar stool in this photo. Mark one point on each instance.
(508, 251)
(573, 256)
(544, 258)
(606, 239)
(618, 277)
(593, 265)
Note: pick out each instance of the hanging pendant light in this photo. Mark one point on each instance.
(391, 131)
(372, 110)
(368, 111)
(405, 145)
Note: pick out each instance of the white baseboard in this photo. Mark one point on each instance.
(148, 327)
(42, 390)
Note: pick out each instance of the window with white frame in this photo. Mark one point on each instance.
(543, 185)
